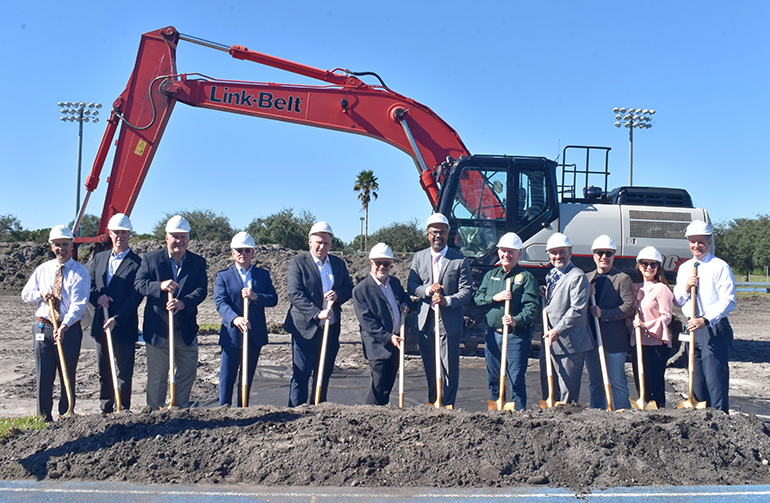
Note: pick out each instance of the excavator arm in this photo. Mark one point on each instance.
(345, 103)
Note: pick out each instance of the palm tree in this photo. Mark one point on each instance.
(366, 186)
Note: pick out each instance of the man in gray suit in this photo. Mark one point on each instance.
(440, 276)
(566, 295)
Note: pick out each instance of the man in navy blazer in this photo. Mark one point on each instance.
(182, 273)
(112, 286)
(380, 303)
(235, 285)
(313, 280)
(441, 276)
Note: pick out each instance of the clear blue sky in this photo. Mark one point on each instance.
(512, 77)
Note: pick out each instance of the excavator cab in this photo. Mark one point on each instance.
(485, 196)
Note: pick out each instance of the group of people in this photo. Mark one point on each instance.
(173, 281)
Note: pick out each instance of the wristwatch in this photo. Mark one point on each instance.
(705, 321)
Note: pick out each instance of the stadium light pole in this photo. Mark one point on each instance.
(80, 112)
(634, 118)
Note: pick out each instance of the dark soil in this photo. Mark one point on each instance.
(334, 445)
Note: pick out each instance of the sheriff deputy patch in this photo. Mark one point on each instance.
(518, 279)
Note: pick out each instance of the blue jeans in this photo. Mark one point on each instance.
(516, 365)
(616, 370)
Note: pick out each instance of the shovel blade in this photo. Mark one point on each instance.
(651, 405)
(495, 405)
(509, 406)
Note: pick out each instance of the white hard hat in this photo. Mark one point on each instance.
(320, 227)
(604, 242)
(380, 250)
(698, 228)
(242, 240)
(649, 253)
(177, 223)
(558, 240)
(437, 218)
(510, 240)
(60, 232)
(119, 222)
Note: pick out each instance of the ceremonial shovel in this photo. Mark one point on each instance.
(401, 361)
(171, 373)
(603, 359)
(500, 403)
(691, 402)
(63, 363)
(550, 402)
(439, 371)
(113, 366)
(245, 357)
(639, 404)
(320, 375)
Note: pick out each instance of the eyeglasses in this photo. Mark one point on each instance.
(384, 264)
(434, 234)
(604, 253)
(651, 265)
(244, 251)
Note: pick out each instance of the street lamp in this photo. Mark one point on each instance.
(80, 112)
(634, 118)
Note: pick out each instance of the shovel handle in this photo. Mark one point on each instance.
(171, 360)
(401, 361)
(245, 357)
(113, 365)
(437, 344)
(63, 363)
(504, 349)
(602, 358)
(320, 375)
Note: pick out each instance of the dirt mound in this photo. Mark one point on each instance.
(334, 445)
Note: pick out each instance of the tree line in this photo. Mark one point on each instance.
(286, 228)
(744, 243)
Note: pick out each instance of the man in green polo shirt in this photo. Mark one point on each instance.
(524, 298)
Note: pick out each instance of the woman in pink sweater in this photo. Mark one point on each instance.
(654, 302)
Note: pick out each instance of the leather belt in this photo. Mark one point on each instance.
(45, 320)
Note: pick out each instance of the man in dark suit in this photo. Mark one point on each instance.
(182, 273)
(566, 295)
(112, 287)
(441, 276)
(313, 280)
(235, 285)
(380, 302)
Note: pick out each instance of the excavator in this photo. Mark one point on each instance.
(483, 196)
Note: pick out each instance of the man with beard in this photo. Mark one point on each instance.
(441, 279)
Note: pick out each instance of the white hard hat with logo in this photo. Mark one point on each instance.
(558, 240)
(177, 223)
(242, 240)
(320, 227)
(437, 219)
(510, 240)
(649, 253)
(604, 242)
(60, 232)
(119, 222)
(698, 228)
(381, 250)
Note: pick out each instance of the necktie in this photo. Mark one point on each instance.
(696, 307)
(553, 278)
(57, 281)
(436, 270)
